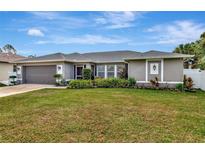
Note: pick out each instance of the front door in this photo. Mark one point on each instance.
(79, 72)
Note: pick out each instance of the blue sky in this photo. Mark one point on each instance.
(39, 33)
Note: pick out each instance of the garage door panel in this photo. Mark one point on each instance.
(40, 74)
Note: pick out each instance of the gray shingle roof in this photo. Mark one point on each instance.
(100, 57)
(158, 54)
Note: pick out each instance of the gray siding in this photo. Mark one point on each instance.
(136, 69)
(153, 76)
(68, 71)
(173, 70)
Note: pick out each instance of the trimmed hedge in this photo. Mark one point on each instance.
(102, 83)
(180, 87)
(87, 74)
(111, 83)
(132, 82)
(78, 84)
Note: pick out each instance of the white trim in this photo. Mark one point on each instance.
(115, 71)
(142, 82)
(96, 70)
(105, 71)
(152, 71)
(170, 82)
(61, 69)
(6, 82)
(162, 70)
(146, 71)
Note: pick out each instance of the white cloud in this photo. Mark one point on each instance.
(61, 20)
(85, 39)
(177, 32)
(46, 15)
(35, 32)
(116, 20)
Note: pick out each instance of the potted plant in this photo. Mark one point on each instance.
(155, 83)
(12, 79)
(58, 78)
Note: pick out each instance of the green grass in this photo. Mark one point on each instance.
(103, 115)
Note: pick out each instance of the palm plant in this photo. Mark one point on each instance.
(58, 78)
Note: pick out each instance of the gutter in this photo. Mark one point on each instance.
(159, 57)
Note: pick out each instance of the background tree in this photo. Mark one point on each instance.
(196, 48)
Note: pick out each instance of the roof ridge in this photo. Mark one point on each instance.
(109, 51)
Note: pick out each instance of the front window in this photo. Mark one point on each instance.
(110, 71)
(121, 72)
(101, 71)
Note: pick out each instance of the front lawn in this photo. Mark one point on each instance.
(103, 115)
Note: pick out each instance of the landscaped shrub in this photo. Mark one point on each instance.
(2, 85)
(188, 83)
(132, 82)
(123, 74)
(78, 84)
(58, 78)
(102, 83)
(13, 79)
(155, 82)
(87, 74)
(111, 83)
(180, 87)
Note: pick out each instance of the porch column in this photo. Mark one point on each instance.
(115, 74)
(146, 71)
(105, 71)
(19, 73)
(162, 70)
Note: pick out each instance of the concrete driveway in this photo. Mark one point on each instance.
(18, 89)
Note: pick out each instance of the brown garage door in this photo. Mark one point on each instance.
(39, 74)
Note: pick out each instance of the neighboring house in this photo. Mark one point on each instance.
(7, 66)
(168, 67)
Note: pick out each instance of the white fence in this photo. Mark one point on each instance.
(197, 76)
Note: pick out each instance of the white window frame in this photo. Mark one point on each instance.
(162, 71)
(59, 69)
(101, 71)
(114, 71)
(117, 69)
(154, 72)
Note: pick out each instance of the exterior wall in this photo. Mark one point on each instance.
(136, 69)
(173, 70)
(68, 68)
(5, 69)
(68, 71)
(153, 76)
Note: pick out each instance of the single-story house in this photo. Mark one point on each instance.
(167, 67)
(7, 65)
